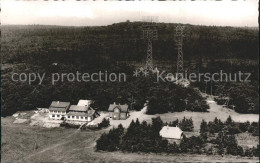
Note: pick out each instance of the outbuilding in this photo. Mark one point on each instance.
(118, 112)
(171, 133)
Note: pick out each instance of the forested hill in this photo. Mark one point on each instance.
(122, 42)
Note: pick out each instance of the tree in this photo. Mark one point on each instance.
(203, 127)
(105, 123)
(157, 125)
(229, 120)
(186, 124)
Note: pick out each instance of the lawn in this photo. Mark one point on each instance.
(24, 143)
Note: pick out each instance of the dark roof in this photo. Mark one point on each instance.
(58, 109)
(78, 108)
(88, 114)
(123, 108)
(59, 106)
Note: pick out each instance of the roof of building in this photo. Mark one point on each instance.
(84, 102)
(88, 114)
(123, 108)
(78, 108)
(59, 106)
(171, 132)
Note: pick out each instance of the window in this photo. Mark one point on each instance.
(72, 117)
(81, 117)
(116, 110)
(58, 115)
(77, 117)
(53, 115)
(68, 116)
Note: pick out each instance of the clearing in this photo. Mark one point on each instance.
(33, 141)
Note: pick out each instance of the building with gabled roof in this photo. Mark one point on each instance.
(81, 113)
(118, 112)
(171, 133)
(81, 116)
(58, 109)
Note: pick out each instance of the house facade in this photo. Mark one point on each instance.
(80, 114)
(118, 112)
(58, 110)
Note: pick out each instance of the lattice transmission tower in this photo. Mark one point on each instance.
(179, 42)
(149, 34)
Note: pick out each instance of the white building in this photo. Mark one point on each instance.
(80, 113)
(171, 132)
(58, 110)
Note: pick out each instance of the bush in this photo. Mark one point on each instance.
(233, 130)
(243, 127)
(254, 128)
(186, 124)
(105, 123)
(110, 141)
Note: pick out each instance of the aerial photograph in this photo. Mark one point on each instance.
(129, 81)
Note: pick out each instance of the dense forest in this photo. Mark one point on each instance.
(122, 42)
(119, 48)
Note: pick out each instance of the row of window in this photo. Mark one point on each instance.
(57, 111)
(77, 117)
(53, 115)
(73, 117)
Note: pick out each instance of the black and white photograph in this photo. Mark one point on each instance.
(86, 81)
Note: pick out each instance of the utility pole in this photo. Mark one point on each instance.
(149, 34)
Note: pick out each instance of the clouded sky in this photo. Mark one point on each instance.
(89, 13)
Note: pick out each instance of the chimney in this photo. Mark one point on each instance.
(114, 103)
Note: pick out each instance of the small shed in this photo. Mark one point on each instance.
(171, 133)
(118, 112)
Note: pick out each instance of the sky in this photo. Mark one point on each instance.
(96, 13)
